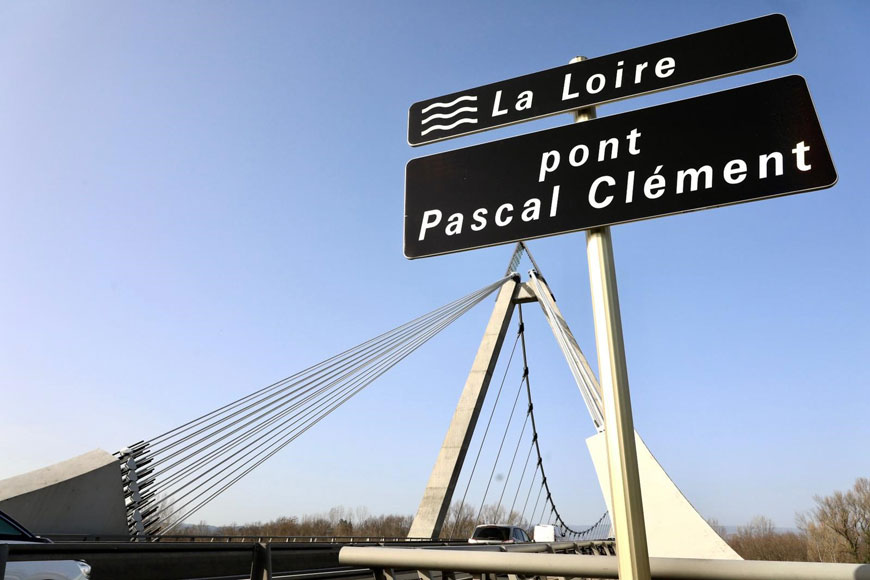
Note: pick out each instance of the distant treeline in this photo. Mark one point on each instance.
(339, 522)
(836, 530)
(345, 522)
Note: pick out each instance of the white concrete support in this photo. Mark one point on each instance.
(82, 495)
(439, 491)
(674, 529)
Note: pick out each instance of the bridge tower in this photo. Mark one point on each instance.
(674, 528)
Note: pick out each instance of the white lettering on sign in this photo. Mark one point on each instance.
(431, 218)
(594, 188)
(503, 215)
(597, 82)
(606, 190)
(693, 179)
(550, 160)
(524, 101)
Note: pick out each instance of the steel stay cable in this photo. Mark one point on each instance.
(529, 494)
(511, 468)
(288, 426)
(285, 429)
(299, 374)
(283, 413)
(487, 290)
(522, 477)
(349, 354)
(540, 491)
(295, 395)
(589, 394)
(521, 334)
(200, 451)
(380, 371)
(474, 299)
(582, 374)
(273, 407)
(486, 431)
(500, 447)
(287, 434)
(282, 445)
(324, 388)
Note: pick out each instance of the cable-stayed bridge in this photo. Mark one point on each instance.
(169, 477)
(162, 481)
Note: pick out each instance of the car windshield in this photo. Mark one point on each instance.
(499, 533)
(8, 531)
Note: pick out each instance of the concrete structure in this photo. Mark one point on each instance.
(81, 495)
(674, 529)
(439, 491)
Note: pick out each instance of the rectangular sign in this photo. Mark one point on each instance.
(702, 56)
(739, 145)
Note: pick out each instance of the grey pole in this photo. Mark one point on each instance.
(625, 494)
(571, 565)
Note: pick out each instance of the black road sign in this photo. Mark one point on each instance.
(739, 145)
(724, 51)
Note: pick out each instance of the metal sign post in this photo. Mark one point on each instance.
(626, 501)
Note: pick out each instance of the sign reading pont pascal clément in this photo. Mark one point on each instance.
(743, 144)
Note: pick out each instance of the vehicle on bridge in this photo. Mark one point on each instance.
(547, 533)
(498, 534)
(11, 532)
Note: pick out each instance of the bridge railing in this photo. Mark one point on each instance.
(181, 560)
(444, 564)
(168, 560)
(333, 539)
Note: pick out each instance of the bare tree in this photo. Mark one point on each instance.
(461, 519)
(759, 540)
(718, 528)
(823, 544)
(846, 515)
(459, 522)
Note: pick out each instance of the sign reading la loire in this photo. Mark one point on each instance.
(739, 145)
(728, 50)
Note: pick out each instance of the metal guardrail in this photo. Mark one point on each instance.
(386, 561)
(165, 560)
(332, 539)
(181, 560)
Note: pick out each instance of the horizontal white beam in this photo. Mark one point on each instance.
(574, 565)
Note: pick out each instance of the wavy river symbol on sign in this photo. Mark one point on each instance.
(453, 118)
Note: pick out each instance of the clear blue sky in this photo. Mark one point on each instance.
(198, 199)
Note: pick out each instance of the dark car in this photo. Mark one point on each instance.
(11, 532)
(498, 534)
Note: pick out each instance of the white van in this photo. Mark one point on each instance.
(547, 533)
